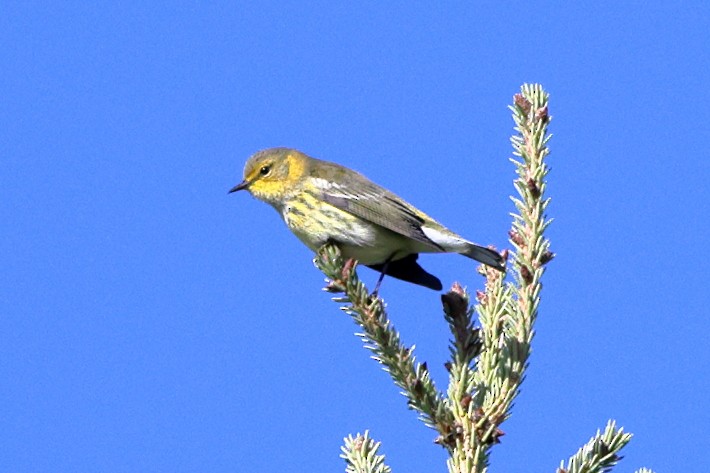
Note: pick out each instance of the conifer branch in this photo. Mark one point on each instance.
(360, 455)
(600, 454)
(531, 247)
(470, 386)
(507, 311)
(488, 363)
(380, 337)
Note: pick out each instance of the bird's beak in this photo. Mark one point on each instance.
(242, 185)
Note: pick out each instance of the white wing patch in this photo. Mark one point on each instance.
(331, 187)
(335, 189)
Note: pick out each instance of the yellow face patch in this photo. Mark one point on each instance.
(296, 167)
(272, 177)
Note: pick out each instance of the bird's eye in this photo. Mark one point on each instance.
(264, 170)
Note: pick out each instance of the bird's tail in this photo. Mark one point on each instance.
(485, 255)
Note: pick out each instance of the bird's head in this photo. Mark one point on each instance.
(272, 174)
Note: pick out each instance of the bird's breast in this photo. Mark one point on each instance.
(316, 222)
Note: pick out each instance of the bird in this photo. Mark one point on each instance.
(322, 202)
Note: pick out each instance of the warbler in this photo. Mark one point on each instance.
(324, 202)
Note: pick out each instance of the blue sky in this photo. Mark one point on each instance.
(151, 322)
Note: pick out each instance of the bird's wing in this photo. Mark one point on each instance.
(377, 205)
